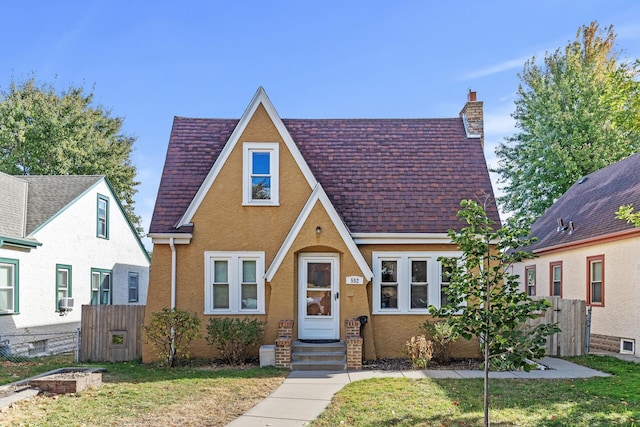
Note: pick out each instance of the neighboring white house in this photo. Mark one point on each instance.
(584, 252)
(64, 242)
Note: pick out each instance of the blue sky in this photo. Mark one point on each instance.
(150, 61)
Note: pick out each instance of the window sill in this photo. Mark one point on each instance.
(232, 312)
(261, 204)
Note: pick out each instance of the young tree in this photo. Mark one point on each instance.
(46, 132)
(577, 112)
(484, 299)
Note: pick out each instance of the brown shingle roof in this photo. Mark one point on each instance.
(591, 204)
(382, 175)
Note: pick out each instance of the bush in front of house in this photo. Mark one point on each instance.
(171, 332)
(442, 334)
(235, 338)
(420, 351)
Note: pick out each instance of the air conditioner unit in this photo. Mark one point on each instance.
(65, 304)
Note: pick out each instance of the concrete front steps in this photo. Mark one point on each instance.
(310, 356)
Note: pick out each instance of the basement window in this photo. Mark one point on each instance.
(627, 346)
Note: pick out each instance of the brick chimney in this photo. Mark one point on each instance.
(473, 118)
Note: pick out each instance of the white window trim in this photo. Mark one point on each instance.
(404, 279)
(633, 346)
(235, 273)
(266, 147)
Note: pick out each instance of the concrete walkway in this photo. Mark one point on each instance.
(304, 395)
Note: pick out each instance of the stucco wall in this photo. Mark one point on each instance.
(620, 316)
(70, 239)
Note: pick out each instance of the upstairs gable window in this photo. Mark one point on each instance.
(260, 174)
(102, 218)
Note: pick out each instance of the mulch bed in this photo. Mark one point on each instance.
(405, 365)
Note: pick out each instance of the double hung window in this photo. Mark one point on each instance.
(101, 287)
(102, 218)
(8, 286)
(409, 282)
(260, 179)
(234, 282)
(133, 286)
(555, 271)
(530, 274)
(63, 283)
(595, 281)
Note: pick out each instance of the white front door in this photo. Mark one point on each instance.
(318, 296)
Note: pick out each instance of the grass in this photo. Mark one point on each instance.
(606, 401)
(134, 394)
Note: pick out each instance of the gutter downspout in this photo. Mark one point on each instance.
(173, 296)
(173, 272)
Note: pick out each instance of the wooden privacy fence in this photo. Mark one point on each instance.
(111, 333)
(570, 315)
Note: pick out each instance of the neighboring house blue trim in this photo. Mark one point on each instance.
(18, 243)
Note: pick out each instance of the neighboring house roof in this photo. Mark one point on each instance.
(49, 194)
(382, 175)
(13, 209)
(590, 206)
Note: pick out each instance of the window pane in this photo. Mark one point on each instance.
(249, 271)
(6, 299)
(596, 292)
(319, 275)
(389, 296)
(557, 273)
(220, 295)
(419, 297)
(95, 281)
(260, 188)
(6, 276)
(63, 279)
(557, 289)
(220, 272)
(260, 164)
(446, 274)
(596, 271)
(389, 271)
(419, 271)
(249, 296)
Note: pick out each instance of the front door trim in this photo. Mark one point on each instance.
(318, 318)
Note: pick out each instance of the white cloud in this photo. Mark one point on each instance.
(498, 68)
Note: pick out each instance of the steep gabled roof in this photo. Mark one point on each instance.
(590, 204)
(49, 194)
(382, 175)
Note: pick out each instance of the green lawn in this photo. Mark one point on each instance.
(139, 395)
(452, 402)
(134, 394)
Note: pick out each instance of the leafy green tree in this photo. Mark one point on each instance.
(576, 112)
(628, 213)
(484, 299)
(46, 132)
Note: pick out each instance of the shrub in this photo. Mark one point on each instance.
(442, 334)
(235, 338)
(171, 332)
(419, 350)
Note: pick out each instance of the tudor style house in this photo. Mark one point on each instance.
(64, 242)
(584, 252)
(313, 222)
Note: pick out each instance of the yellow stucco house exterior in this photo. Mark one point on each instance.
(314, 221)
(584, 252)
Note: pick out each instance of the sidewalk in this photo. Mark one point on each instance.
(304, 395)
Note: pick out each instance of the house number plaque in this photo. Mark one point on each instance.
(355, 280)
